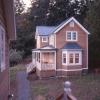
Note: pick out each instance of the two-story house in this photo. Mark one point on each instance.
(7, 33)
(61, 50)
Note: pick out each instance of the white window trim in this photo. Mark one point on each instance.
(64, 52)
(45, 38)
(67, 58)
(80, 57)
(2, 60)
(72, 36)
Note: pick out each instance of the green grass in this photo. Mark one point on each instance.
(14, 70)
(84, 88)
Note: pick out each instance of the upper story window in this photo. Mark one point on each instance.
(44, 39)
(2, 49)
(71, 36)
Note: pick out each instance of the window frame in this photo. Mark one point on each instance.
(2, 49)
(46, 38)
(68, 58)
(74, 53)
(63, 58)
(71, 39)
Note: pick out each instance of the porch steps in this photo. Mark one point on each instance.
(30, 68)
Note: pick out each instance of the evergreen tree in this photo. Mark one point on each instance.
(92, 22)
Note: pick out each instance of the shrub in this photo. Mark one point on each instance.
(15, 57)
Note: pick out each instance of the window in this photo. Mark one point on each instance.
(74, 36)
(64, 58)
(2, 49)
(71, 58)
(75, 58)
(45, 39)
(71, 36)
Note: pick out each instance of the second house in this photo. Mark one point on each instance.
(61, 50)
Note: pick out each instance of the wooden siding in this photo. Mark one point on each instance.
(61, 41)
(42, 44)
(52, 40)
(4, 76)
(38, 42)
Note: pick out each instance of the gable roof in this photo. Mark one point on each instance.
(72, 45)
(47, 30)
(66, 22)
(44, 30)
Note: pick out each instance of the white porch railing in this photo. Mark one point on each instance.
(30, 67)
(47, 66)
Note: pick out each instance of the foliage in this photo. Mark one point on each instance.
(44, 12)
(93, 24)
(19, 6)
(15, 57)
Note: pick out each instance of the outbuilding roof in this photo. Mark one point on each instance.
(72, 46)
(44, 30)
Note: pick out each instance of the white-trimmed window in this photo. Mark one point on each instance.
(44, 39)
(2, 49)
(71, 36)
(75, 58)
(71, 58)
(64, 58)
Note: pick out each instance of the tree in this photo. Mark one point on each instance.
(92, 22)
(19, 6)
(60, 10)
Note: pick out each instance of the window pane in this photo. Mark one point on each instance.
(64, 58)
(76, 58)
(74, 35)
(44, 39)
(71, 58)
(69, 36)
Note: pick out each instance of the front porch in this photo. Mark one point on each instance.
(45, 62)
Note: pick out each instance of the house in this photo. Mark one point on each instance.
(61, 50)
(7, 33)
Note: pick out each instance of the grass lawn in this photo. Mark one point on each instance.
(84, 87)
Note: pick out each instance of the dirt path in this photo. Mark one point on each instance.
(23, 86)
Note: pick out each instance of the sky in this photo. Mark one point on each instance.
(27, 2)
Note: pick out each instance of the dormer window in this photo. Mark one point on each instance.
(44, 39)
(71, 36)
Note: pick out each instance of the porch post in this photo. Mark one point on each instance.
(40, 60)
(55, 60)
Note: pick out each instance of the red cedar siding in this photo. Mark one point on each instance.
(4, 80)
(61, 41)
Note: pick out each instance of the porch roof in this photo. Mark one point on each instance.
(72, 46)
(45, 48)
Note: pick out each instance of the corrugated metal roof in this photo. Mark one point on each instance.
(44, 30)
(71, 45)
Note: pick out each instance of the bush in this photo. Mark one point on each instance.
(15, 57)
